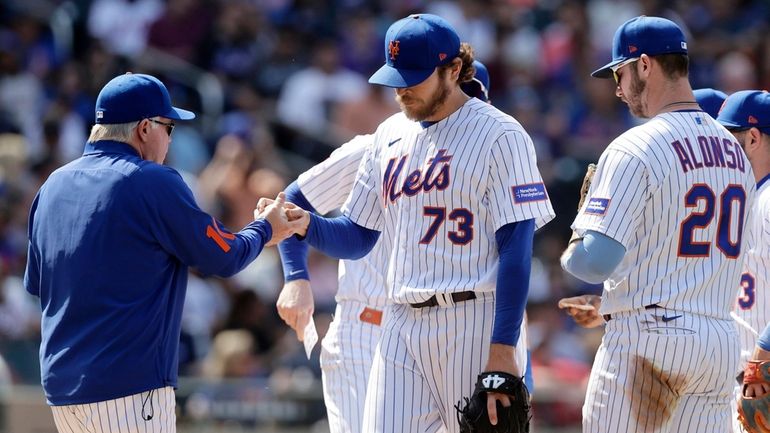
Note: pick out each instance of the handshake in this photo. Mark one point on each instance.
(285, 218)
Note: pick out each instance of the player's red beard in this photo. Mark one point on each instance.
(637, 107)
(419, 110)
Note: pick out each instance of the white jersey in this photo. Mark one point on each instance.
(326, 186)
(438, 194)
(676, 193)
(752, 306)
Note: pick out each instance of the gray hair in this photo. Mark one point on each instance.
(116, 131)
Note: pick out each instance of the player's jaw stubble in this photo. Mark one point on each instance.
(417, 109)
(633, 98)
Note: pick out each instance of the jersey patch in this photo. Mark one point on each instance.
(597, 206)
(529, 192)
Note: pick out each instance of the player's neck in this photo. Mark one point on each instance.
(761, 172)
(454, 101)
(672, 96)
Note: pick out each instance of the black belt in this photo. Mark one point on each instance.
(457, 297)
(608, 317)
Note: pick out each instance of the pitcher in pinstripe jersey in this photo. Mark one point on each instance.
(349, 344)
(747, 115)
(663, 227)
(453, 186)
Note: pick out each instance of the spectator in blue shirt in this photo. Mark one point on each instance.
(111, 236)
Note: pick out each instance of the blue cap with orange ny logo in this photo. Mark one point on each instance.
(746, 109)
(643, 35)
(414, 47)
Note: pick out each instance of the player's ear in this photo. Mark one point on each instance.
(644, 64)
(753, 138)
(457, 67)
(143, 129)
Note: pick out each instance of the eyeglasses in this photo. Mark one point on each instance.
(169, 125)
(615, 68)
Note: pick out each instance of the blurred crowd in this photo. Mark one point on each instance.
(279, 84)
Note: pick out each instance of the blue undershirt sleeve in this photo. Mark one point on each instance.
(293, 251)
(764, 339)
(514, 243)
(340, 237)
(594, 258)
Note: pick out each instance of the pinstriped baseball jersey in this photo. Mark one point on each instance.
(326, 186)
(439, 193)
(349, 345)
(753, 303)
(675, 192)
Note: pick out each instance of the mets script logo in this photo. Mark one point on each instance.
(393, 49)
(492, 381)
(435, 175)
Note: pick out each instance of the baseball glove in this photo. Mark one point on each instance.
(754, 413)
(473, 416)
(587, 179)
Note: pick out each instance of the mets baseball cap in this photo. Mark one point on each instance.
(643, 35)
(746, 109)
(710, 100)
(414, 47)
(131, 97)
(478, 86)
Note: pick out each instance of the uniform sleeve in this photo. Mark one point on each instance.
(328, 184)
(515, 189)
(615, 200)
(363, 205)
(186, 232)
(32, 270)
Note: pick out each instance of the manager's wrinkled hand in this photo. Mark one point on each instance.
(275, 212)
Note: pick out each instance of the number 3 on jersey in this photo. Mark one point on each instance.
(749, 296)
(699, 220)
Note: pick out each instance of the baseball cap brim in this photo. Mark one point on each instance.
(728, 123)
(179, 114)
(389, 76)
(606, 70)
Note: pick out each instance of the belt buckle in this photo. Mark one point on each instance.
(370, 315)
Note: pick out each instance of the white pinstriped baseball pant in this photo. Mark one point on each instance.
(426, 362)
(662, 371)
(147, 412)
(346, 359)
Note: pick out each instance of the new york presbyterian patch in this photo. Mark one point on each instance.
(529, 192)
(597, 206)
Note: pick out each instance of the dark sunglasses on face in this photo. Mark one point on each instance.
(169, 125)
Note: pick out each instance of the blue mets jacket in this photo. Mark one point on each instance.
(111, 237)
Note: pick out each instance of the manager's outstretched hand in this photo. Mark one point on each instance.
(282, 223)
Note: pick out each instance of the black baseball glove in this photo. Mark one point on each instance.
(473, 416)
